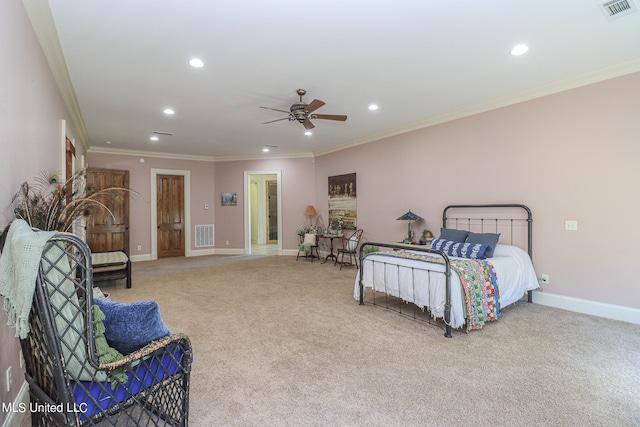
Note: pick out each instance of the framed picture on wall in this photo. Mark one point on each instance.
(342, 201)
(229, 198)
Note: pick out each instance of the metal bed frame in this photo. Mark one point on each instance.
(475, 221)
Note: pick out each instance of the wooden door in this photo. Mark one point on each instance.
(272, 211)
(171, 230)
(104, 231)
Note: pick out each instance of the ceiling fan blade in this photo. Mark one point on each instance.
(276, 120)
(315, 104)
(339, 117)
(275, 109)
(308, 125)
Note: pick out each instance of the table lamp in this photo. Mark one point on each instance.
(310, 212)
(409, 216)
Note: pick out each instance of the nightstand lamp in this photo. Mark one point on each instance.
(409, 217)
(310, 212)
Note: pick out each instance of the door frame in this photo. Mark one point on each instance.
(154, 209)
(247, 206)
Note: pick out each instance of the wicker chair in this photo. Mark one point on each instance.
(68, 385)
(350, 248)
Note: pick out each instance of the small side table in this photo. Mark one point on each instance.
(331, 255)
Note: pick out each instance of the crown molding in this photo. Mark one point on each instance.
(137, 153)
(39, 14)
(584, 79)
(266, 156)
(174, 156)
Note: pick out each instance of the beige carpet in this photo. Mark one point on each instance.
(283, 343)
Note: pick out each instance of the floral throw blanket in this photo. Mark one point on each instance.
(480, 284)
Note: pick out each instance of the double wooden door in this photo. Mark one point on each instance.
(108, 230)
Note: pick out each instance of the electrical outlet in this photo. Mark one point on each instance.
(139, 247)
(544, 279)
(571, 225)
(226, 243)
(9, 379)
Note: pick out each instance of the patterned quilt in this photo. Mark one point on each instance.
(480, 284)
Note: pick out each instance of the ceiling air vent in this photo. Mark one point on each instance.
(618, 8)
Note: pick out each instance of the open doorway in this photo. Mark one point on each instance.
(263, 215)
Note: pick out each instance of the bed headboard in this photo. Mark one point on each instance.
(513, 221)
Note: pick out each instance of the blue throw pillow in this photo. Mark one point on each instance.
(129, 327)
(461, 250)
(490, 239)
(453, 234)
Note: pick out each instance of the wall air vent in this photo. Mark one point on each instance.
(618, 8)
(162, 133)
(204, 235)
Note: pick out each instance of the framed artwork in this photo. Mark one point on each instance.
(342, 201)
(229, 198)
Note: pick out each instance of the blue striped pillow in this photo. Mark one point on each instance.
(461, 250)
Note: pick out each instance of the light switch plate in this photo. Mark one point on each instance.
(571, 225)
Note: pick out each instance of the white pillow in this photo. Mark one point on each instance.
(309, 239)
(352, 244)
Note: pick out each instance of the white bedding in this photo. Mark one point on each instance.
(513, 267)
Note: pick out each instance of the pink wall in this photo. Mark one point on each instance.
(202, 179)
(31, 111)
(297, 192)
(208, 180)
(568, 156)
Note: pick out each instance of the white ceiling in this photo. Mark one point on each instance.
(421, 61)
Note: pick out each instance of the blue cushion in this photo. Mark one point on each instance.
(490, 239)
(461, 250)
(129, 327)
(95, 397)
(453, 234)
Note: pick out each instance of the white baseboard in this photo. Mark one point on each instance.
(16, 417)
(229, 252)
(188, 254)
(593, 308)
(136, 258)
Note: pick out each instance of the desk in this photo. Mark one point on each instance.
(331, 237)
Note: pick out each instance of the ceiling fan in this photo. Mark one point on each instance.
(302, 112)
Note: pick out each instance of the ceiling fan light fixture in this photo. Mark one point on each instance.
(303, 113)
(308, 133)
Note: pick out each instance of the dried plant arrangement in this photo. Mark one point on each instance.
(50, 205)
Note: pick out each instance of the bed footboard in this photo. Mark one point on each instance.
(386, 248)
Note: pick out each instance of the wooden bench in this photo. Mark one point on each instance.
(111, 265)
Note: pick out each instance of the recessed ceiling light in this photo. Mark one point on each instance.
(168, 111)
(265, 150)
(308, 133)
(108, 142)
(373, 107)
(196, 63)
(154, 138)
(519, 49)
